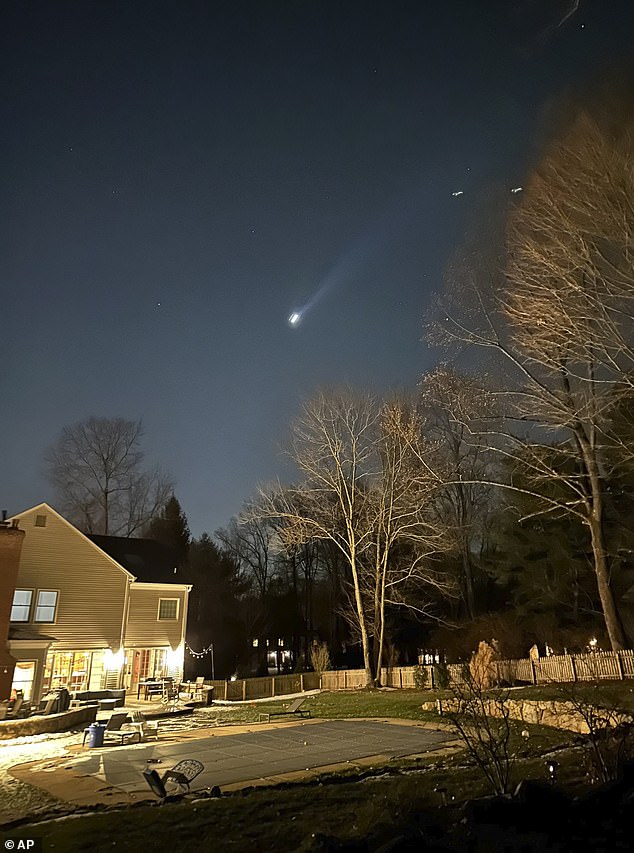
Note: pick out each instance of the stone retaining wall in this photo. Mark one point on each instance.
(560, 715)
(37, 725)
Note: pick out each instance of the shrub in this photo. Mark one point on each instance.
(421, 677)
(442, 676)
(485, 737)
(320, 657)
(482, 666)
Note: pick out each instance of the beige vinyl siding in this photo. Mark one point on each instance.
(92, 589)
(144, 628)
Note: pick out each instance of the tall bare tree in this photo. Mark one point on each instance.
(359, 493)
(562, 321)
(449, 401)
(95, 468)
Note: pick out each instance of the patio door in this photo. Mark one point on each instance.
(23, 677)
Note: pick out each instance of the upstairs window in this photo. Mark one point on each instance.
(46, 605)
(168, 608)
(21, 608)
(40, 521)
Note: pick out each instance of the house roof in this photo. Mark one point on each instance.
(48, 508)
(149, 561)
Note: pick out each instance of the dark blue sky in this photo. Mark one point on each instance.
(225, 159)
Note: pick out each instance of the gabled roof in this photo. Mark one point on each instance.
(46, 508)
(148, 560)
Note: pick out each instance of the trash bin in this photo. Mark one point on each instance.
(95, 734)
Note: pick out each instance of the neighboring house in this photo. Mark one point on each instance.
(90, 612)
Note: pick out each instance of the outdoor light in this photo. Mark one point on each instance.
(552, 766)
(113, 660)
(175, 657)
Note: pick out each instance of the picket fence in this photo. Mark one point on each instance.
(556, 668)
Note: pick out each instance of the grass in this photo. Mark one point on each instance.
(359, 803)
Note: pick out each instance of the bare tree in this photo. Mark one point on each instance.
(360, 494)
(248, 541)
(562, 321)
(449, 400)
(95, 467)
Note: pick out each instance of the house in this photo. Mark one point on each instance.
(92, 612)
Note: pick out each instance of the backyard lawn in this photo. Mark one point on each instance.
(361, 803)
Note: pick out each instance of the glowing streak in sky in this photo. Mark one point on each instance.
(350, 263)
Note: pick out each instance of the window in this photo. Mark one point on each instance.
(40, 521)
(168, 608)
(46, 605)
(21, 608)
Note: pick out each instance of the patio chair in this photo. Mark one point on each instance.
(114, 729)
(199, 689)
(183, 774)
(294, 710)
(170, 694)
(147, 728)
(48, 706)
(15, 709)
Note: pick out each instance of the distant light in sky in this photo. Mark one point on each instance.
(517, 189)
(457, 193)
(294, 318)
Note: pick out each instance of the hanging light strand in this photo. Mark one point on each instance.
(200, 654)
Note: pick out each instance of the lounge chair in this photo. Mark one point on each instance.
(147, 728)
(14, 710)
(183, 774)
(47, 708)
(294, 710)
(114, 729)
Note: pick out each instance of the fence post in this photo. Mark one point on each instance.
(619, 664)
(226, 689)
(244, 689)
(345, 679)
(573, 668)
(431, 677)
(272, 685)
(400, 677)
(301, 682)
(533, 672)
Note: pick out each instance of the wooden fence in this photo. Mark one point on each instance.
(556, 668)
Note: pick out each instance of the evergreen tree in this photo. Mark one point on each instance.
(170, 528)
(215, 607)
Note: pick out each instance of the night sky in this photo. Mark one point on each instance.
(179, 177)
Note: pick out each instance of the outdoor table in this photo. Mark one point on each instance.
(149, 688)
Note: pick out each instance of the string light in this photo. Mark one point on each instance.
(201, 654)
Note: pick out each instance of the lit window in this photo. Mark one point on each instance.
(168, 608)
(255, 644)
(21, 605)
(46, 605)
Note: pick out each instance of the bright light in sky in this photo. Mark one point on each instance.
(294, 318)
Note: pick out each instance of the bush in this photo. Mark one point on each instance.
(442, 676)
(320, 657)
(482, 666)
(421, 677)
